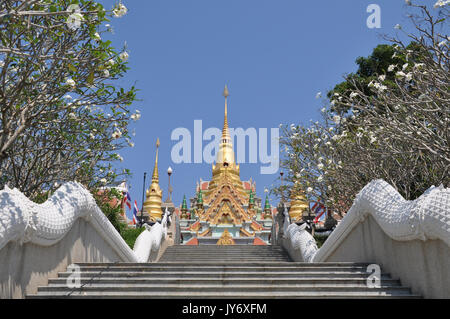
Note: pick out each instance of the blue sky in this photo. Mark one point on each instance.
(273, 55)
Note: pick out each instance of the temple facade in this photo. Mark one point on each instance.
(226, 210)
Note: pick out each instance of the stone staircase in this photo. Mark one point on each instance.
(238, 271)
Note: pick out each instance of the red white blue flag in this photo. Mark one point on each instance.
(319, 210)
(127, 199)
(135, 213)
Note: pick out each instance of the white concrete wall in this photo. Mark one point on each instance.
(25, 267)
(408, 239)
(422, 265)
(39, 240)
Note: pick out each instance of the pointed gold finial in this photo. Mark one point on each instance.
(225, 132)
(152, 204)
(155, 177)
(225, 91)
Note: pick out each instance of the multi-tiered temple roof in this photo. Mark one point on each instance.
(226, 208)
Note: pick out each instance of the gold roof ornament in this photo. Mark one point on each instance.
(153, 201)
(225, 166)
(226, 238)
(298, 205)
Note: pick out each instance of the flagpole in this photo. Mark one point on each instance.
(143, 194)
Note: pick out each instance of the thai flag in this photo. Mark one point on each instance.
(135, 213)
(127, 199)
(319, 210)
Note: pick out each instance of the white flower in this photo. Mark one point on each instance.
(398, 26)
(2, 64)
(408, 76)
(111, 62)
(72, 116)
(382, 88)
(337, 119)
(120, 10)
(105, 73)
(442, 43)
(400, 74)
(391, 68)
(70, 82)
(373, 139)
(309, 190)
(320, 166)
(97, 36)
(103, 181)
(335, 137)
(120, 158)
(419, 65)
(320, 178)
(333, 102)
(405, 66)
(67, 97)
(116, 134)
(353, 95)
(323, 110)
(124, 56)
(318, 95)
(382, 78)
(441, 3)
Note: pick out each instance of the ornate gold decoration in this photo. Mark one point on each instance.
(152, 204)
(298, 205)
(226, 238)
(246, 232)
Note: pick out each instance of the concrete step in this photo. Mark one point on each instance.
(236, 289)
(220, 274)
(223, 272)
(223, 295)
(223, 269)
(226, 281)
(244, 264)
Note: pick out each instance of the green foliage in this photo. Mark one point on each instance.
(62, 98)
(104, 201)
(130, 234)
(320, 240)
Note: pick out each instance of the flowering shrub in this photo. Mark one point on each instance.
(62, 117)
(391, 120)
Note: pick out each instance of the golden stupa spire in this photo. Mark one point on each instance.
(155, 176)
(225, 154)
(225, 132)
(152, 204)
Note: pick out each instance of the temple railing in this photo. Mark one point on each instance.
(38, 240)
(410, 239)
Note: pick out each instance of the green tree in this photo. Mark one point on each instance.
(387, 121)
(62, 114)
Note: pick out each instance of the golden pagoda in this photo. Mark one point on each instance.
(153, 200)
(225, 209)
(298, 205)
